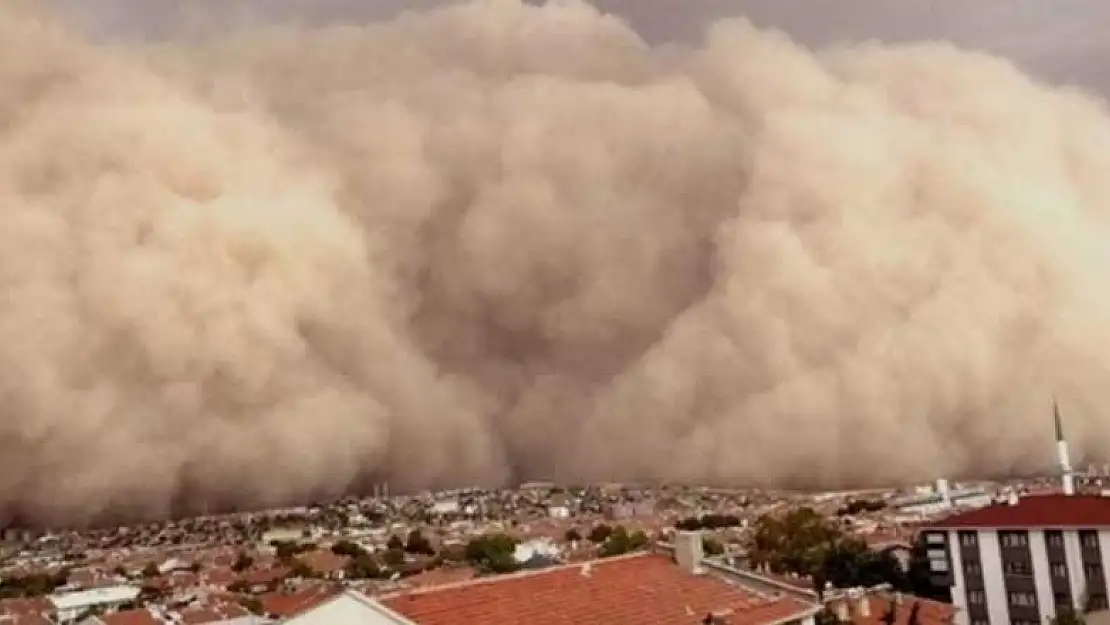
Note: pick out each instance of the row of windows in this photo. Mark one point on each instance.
(1027, 599)
(1096, 601)
(1054, 538)
(1017, 567)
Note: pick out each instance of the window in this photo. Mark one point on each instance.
(1054, 539)
(968, 539)
(1013, 539)
(971, 567)
(934, 539)
(1088, 538)
(1097, 601)
(976, 597)
(980, 622)
(1019, 599)
(939, 566)
(937, 554)
(1022, 622)
(1062, 601)
(1059, 570)
(1092, 569)
(1017, 567)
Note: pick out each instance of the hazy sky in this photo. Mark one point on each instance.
(1059, 40)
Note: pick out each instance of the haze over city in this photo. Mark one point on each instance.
(492, 241)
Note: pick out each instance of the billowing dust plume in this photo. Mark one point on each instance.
(497, 241)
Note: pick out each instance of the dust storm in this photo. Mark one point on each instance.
(494, 242)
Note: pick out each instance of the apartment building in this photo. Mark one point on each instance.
(1024, 561)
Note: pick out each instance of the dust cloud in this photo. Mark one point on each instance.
(496, 241)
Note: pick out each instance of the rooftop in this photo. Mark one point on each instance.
(95, 596)
(637, 589)
(1035, 511)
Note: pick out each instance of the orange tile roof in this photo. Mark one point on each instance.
(25, 619)
(639, 589)
(212, 614)
(930, 612)
(129, 617)
(283, 605)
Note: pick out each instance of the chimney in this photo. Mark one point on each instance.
(942, 490)
(1013, 498)
(688, 552)
(843, 614)
(864, 605)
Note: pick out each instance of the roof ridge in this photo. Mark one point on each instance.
(515, 575)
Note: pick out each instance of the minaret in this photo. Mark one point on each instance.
(1066, 476)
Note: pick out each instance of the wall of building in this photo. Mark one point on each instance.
(1042, 578)
(993, 585)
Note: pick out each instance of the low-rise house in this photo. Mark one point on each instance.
(69, 607)
(633, 589)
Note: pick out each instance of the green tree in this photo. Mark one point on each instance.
(417, 544)
(638, 540)
(242, 563)
(395, 542)
(252, 604)
(712, 546)
(826, 617)
(572, 535)
(150, 570)
(394, 557)
(792, 543)
(600, 533)
(492, 553)
(347, 548)
(301, 570)
(362, 566)
(1068, 618)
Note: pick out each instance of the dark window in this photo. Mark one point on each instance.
(1059, 570)
(1097, 601)
(969, 539)
(1013, 539)
(976, 597)
(971, 567)
(1092, 569)
(1054, 538)
(1018, 568)
(1088, 538)
(1062, 601)
(1020, 599)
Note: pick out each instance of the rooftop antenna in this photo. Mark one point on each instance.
(1066, 477)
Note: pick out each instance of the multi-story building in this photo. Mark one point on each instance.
(1024, 561)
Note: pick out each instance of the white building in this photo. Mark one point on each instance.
(1026, 560)
(446, 506)
(71, 606)
(349, 608)
(941, 499)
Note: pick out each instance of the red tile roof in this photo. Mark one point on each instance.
(929, 613)
(282, 605)
(640, 589)
(129, 617)
(212, 614)
(1035, 511)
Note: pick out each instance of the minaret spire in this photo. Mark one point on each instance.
(1059, 423)
(1066, 477)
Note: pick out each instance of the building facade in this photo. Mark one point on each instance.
(1025, 561)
